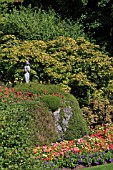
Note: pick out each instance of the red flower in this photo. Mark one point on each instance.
(0, 89)
(6, 93)
(45, 91)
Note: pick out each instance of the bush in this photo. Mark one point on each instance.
(52, 102)
(24, 123)
(75, 64)
(39, 25)
(16, 136)
(54, 97)
(77, 124)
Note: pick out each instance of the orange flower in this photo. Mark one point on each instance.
(34, 151)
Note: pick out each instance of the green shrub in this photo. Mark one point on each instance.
(75, 64)
(26, 123)
(23, 125)
(16, 136)
(77, 124)
(52, 102)
(39, 25)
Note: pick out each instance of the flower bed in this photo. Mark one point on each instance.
(91, 150)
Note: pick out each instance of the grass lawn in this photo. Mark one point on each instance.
(101, 167)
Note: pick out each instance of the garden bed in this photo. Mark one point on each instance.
(93, 149)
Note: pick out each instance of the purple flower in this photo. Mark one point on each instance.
(52, 164)
(111, 160)
(99, 159)
(95, 155)
(90, 156)
(80, 161)
(70, 160)
(83, 156)
(79, 156)
(97, 163)
(46, 163)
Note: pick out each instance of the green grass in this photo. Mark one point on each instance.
(101, 167)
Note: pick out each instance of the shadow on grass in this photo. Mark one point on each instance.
(101, 167)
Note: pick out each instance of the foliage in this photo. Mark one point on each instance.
(16, 131)
(99, 110)
(6, 6)
(30, 24)
(35, 102)
(36, 115)
(96, 18)
(25, 122)
(54, 98)
(22, 125)
(75, 64)
(75, 130)
(52, 102)
(41, 89)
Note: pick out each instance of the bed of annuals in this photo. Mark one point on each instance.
(91, 150)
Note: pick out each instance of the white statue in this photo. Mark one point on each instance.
(27, 72)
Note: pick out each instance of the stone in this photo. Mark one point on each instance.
(67, 115)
